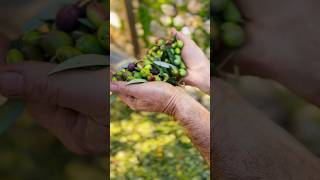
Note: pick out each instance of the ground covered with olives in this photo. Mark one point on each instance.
(228, 33)
(163, 62)
(78, 29)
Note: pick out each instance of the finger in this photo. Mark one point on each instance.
(183, 38)
(123, 88)
(84, 91)
(77, 132)
(128, 100)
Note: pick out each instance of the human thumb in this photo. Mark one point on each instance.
(81, 90)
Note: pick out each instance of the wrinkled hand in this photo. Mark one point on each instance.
(152, 96)
(197, 63)
(282, 44)
(72, 105)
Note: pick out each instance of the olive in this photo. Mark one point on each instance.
(66, 52)
(89, 44)
(182, 65)
(131, 67)
(32, 53)
(157, 78)
(151, 78)
(232, 35)
(114, 78)
(147, 67)
(232, 13)
(137, 75)
(14, 56)
(182, 72)
(103, 35)
(159, 53)
(96, 14)
(155, 71)
(67, 18)
(177, 51)
(177, 61)
(180, 44)
(31, 38)
(219, 5)
(174, 45)
(51, 41)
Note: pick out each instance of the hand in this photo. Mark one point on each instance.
(282, 44)
(152, 96)
(72, 105)
(244, 138)
(165, 98)
(197, 63)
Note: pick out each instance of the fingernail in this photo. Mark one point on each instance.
(11, 84)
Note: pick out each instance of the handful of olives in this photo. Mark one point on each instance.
(78, 29)
(163, 62)
(228, 34)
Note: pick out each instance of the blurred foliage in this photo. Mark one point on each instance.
(151, 146)
(155, 19)
(28, 152)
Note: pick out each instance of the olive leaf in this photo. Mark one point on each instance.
(163, 64)
(137, 81)
(86, 22)
(82, 61)
(9, 113)
(169, 53)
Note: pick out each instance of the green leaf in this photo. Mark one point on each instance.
(82, 61)
(137, 81)
(86, 22)
(163, 64)
(169, 53)
(9, 113)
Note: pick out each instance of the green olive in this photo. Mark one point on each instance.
(177, 51)
(137, 75)
(219, 5)
(180, 44)
(96, 14)
(89, 44)
(174, 45)
(103, 35)
(148, 67)
(232, 13)
(51, 41)
(182, 72)
(32, 38)
(67, 52)
(157, 77)
(232, 35)
(177, 61)
(14, 56)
